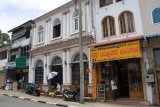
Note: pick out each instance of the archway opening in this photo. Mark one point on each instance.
(39, 72)
(57, 67)
(76, 70)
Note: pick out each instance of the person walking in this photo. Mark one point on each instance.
(114, 89)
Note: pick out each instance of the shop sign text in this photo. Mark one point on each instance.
(115, 52)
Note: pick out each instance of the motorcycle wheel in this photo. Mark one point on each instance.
(77, 97)
(64, 98)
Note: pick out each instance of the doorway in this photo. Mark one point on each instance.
(59, 77)
(121, 73)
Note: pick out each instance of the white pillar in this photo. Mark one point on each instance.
(117, 31)
(48, 64)
(88, 18)
(64, 68)
(45, 70)
(46, 32)
(68, 24)
(69, 75)
(33, 72)
(33, 38)
(64, 26)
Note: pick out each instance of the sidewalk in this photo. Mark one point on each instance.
(58, 101)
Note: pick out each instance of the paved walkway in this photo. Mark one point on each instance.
(58, 101)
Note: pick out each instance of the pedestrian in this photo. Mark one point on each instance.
(114, 89)
(58, 90)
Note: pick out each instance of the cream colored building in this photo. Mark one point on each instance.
(55, 46)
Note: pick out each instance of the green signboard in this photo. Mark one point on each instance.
(21, 62)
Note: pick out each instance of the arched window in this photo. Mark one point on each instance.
(40, 34)
(156, 15)
(126, 22)
(108, 25)
(77, 58)
(57, 61)
(76, 70)
(76, 20)
(39, 72)
(56, 28)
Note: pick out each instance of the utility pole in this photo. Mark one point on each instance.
(81, 55)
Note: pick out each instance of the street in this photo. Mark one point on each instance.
(6, 101)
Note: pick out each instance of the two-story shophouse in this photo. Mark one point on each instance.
(120, 49)
(55, 46)
(18, 65)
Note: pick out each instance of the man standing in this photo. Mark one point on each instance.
(114, 89)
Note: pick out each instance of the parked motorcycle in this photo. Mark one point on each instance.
(69, 95)
(33, 90)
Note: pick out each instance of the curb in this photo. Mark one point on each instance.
(39, 101)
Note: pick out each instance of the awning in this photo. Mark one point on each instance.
(152, 35)
(107, 42)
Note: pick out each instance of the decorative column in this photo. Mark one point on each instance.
(64, 68)
(64, 26)
(48, 64)
(68, 23)
(68, 68)
(88, 18)
(32, 71)
(45, 70)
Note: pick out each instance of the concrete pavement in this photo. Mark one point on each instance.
(58, 101)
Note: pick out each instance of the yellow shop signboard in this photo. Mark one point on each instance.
(115, 51)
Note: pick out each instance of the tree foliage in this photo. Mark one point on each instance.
(4, 37)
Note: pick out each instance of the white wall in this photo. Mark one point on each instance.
(66, 25)
(3, 62)
(115, 10)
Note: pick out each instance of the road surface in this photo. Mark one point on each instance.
(6, 101)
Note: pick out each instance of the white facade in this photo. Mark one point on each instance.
(115, 10)
(142, 11)
(64, 46)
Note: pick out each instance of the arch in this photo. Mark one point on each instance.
(56, 28)
(108, 26)
(76, 20)
(76, 69)
(76, 58)
(76, 13)
(56, 21)
(56, 61)
(126, 22)
(156, 15)
(40, 34)
(39, 72)
(56, 66)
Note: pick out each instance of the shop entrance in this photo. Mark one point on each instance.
(122, 78)
(127, 75)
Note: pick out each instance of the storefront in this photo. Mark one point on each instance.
(121, 62)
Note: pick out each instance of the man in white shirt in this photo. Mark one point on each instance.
(58, 87)
(58, 90)
(114, 89)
